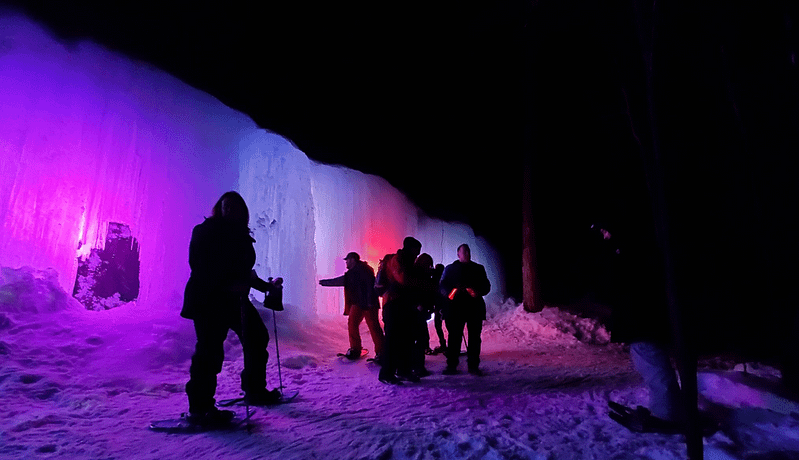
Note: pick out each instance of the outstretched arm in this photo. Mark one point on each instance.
(332, 282)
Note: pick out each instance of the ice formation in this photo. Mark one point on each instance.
(89, 138)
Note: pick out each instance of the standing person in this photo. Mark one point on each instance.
(221, 257)
(360, 302)
(438, 313)
(627, 277)
(464, 283)
(427, 301)
(398, 283)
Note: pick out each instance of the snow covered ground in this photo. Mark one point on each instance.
(84, 385)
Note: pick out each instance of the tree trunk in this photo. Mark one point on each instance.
(531, 292)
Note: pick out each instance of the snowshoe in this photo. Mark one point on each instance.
(263, 398)
(272, 400)
(216, 420)
(390, 380)
(641, 420)
(408, 377)
(354, 355)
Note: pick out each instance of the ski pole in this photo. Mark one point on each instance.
(277, 352)
(241, 338)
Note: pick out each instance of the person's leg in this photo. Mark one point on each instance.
(424, 332)
(254, 338)
(455, 328)
(375, 330)
(475, 328)
(406, 348)
(439, 323)
(388, 369)
(652, 362)
(353, 328)
(421, 343)
(206, 363)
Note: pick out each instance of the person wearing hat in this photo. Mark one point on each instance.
(360, 302)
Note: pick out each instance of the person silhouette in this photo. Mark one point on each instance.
(400, 286)
(464, 282)
(360, 302)
(221, 257)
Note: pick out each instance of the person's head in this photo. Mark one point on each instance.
(411, 246)
(352, 260)
(424, 261)
(231, 206)
(464, 253)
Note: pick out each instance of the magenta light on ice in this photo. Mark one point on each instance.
(94, 144)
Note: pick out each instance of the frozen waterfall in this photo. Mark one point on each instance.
(94, 144)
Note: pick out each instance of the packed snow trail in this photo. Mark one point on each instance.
(85, 385)
(80, 384)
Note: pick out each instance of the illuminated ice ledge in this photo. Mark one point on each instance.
(89, 138)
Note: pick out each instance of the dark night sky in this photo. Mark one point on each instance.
(434, 95)
(418, 94)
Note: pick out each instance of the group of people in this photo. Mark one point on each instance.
(216, 299)
(413, 289)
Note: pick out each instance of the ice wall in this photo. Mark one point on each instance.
(275, 183)
(364, 213)
(88, 137)
(307, 216)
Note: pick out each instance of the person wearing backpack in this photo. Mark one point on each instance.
(399, 284)
(360, 302)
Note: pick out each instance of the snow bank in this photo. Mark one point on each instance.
(757, 413)
(35, 291)
(512, 321)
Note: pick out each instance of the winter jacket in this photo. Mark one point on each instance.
(431, 299)
(359, 287)
(459, 276)
(221, 257)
